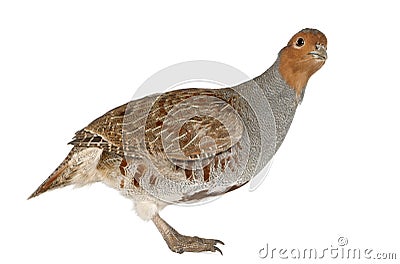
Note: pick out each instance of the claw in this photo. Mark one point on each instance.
(219, 250)
(219, 242)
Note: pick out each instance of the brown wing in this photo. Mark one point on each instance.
(187, 124)
(192, 124)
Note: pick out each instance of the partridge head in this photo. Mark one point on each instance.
(304, 54)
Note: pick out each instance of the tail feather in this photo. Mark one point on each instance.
(79, 168)
(59, 178)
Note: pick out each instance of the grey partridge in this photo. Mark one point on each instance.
(188, 145)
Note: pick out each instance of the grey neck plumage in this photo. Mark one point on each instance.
(282, 100)
(267, 106)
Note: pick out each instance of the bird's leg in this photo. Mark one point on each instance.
(179, 243)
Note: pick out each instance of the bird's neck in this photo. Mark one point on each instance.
(276, 86)
(293, 79)
(282, 99)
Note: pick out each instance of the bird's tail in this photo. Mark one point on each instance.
(59, 178)
(79, 168)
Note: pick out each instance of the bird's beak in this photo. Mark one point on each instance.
(319, 53)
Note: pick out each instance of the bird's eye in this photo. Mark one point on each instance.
(300, 42)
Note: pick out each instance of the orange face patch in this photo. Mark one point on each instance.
(304, 54)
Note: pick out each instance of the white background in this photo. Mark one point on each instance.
(62, 64)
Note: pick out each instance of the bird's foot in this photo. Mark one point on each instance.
(179, 243)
